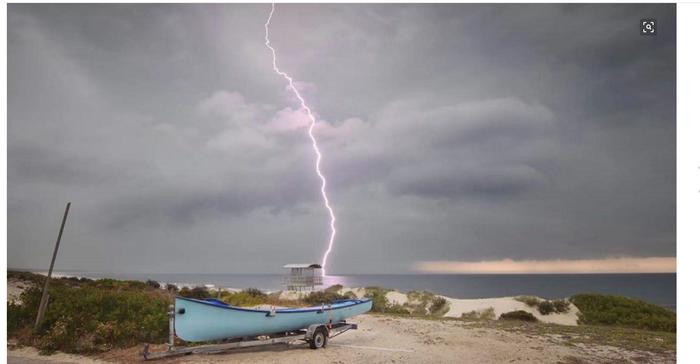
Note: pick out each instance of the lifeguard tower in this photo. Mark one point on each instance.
(303, 277)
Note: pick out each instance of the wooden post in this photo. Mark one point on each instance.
(171, 320)
(45, 293)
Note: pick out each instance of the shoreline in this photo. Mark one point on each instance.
(659, 289)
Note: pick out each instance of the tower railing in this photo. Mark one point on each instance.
(303, 283)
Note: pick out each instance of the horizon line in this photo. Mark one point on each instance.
(426, 273)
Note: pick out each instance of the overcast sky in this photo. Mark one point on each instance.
(449, 132)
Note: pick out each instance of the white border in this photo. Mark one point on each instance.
(353, 1)
(3, 177)
(688, 169)
(687, 180)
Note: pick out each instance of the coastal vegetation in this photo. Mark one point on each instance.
(88, 316)
(381, 304)
(519, 315)
(418, 303)
(439, 306)
(531, 301)
(561, 306)
(545, 307)
(424, 303)
(196, 292)
(326, 296)
(246, 297)
(480, 315)
(598, 309)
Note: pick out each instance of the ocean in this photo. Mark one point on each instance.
(657, 288)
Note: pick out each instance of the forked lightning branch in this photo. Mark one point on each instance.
(310, 132)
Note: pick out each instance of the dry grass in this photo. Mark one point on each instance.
(487, 314)
(622, 337)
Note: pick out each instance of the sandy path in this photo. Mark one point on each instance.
(385, 339)
(29, 355)
(15, 287)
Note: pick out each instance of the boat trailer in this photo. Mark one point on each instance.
(317, 335)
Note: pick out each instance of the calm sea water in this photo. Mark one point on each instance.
(655, 288)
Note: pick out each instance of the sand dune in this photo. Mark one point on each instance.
(507, 304)
(499, 305)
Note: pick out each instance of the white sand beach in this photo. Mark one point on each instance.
(500, 305)
(507, 304)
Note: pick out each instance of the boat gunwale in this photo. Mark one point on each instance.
(315, 309)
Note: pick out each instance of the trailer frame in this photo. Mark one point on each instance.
(328, 331)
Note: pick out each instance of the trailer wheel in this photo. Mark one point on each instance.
(319, 340)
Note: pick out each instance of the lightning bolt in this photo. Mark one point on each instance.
(310, 132)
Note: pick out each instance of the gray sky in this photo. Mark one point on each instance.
(449, 132)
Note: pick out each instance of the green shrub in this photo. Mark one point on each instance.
(335, 288)
(18, 316)
(75, 281)
(185, 292)
(26, 276)
(378, 296)
(244, 298)
(439, 306)
(108, 283)
(418, 310)
(89, 318)
(420, 303)
(153, 284)
(254, 292)
(199, 293)
(545, 307)
(326, 297)
(136, 285)
(561, 306)
(172, 288)
(487, 314)
(518, 315)
(321, 297)
(396, 309)
(531, 301)
(414, 295)
(598, 309)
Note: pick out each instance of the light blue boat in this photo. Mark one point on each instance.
(211, 319)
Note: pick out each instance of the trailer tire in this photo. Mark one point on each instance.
(319, 339)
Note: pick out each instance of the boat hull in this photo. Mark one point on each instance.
(198, 320)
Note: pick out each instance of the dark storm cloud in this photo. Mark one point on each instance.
(453, 183)
(454, 131)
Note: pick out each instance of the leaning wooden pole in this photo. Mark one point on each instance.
(45, 293)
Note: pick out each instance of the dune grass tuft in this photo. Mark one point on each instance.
(519, 315)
